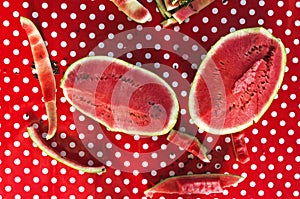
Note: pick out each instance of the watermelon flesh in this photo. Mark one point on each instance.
(237, 81)
(121, 96)
(194, 184)
(240, 147)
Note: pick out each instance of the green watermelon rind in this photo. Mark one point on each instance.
(49, 151)
(202, 124)
(175, 109)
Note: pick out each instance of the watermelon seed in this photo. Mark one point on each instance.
(35, 76)
(55, 67)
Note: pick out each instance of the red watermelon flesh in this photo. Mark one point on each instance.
(121, 96)
(237, 81)
(240, 147)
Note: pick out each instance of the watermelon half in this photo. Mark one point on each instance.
(123, 97)
(237, 81)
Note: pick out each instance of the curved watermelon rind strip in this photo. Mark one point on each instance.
(219, 131)
(175, 109)
(134, 10)
(195, 184)
(33, 134)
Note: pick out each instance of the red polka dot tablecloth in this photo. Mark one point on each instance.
(75, 29)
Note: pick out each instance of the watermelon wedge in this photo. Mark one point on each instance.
(237, 81)
(134, 10)
(194, 184)
(170, 5)
(190, 9)
(240, 147)
(177, 11)
(189, 143)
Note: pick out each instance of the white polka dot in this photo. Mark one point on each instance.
(163, 164)
(279, 22)
(25, 4)
(135, 190)
(280, 3)
(204, 38)
(54, 15)
(92, 16)
(235, 166)
(270, 185)
(205, 20)
(63, 25)
(242, 20)
(111, 17)
(195, 29)
(252, 12)
(283, 105)
(260, 22)
(5, 4)
(215, 10)
(214, 29)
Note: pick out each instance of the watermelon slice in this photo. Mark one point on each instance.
(189, 143)
(176, 11)
(170, 5)
(240, 147)
(123, 97)
(134, 10)
(168, 22)
(194, 184)
(190, 9)
(237, 81)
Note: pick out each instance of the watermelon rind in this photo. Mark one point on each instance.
(33, 134)
(174, 110)
(238, 33)
(226, 180)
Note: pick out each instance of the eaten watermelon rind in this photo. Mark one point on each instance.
(33, 134)
(174, 110)
(170, 185)
(222, 131)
